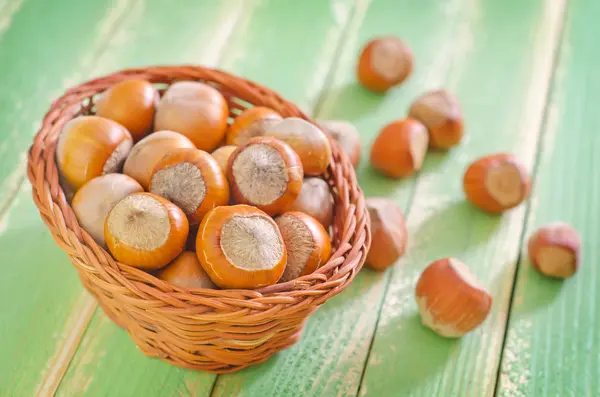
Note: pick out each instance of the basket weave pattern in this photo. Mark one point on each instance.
(211, 330)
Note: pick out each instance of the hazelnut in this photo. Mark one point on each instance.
(307, 244)
(315, 199)
(90, 146)
(308, 141)
(554, 250)
(149, 151)
(383, 63)
(265, 173)
(192, 180)
(240, 247)
(400, 148)
(440, 112)
(195, 110)
(94, 200)
(222, 155)
(130, 103)
(346, 134)
(146, 231)
(186, 272)
(388, 231)
(250, 123)
(496, 183)
(451, 300)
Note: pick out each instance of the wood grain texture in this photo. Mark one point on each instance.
(38, 296)
(553, 341)
(330, 358)
(42, 44)
(45, 310)
(39, 292)
(501, 77)
(102, 365)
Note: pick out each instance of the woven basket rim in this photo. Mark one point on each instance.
(50, 199)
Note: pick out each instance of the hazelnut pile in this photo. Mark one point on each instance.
(450, 299)
(168, 186)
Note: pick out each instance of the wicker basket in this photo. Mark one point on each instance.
(212, 330)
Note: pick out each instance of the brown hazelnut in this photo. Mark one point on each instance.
(315, 199)
(384, 63)
(388, 231)
(346, 134)
(496, 183)
(400, 148)
(554, 250)
(440, 112)
(451, 300)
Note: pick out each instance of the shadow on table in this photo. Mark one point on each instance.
(455, 228)
(533, 291)
(421, 353)
(351, 102)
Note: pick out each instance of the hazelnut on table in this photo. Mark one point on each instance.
(496, 183)
(555, 250)
(384, 63)
(389, 234)
(451, 301)
(440, 113)
(400, 148)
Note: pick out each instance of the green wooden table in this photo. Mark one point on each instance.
(527, 75)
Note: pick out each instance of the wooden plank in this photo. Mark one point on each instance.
(553, 341)
(502, 79)
(59, 36)
(107, 362)
(329, 359)
(45, 310)
(36, 298)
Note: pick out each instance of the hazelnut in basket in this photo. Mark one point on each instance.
(132, 104)
(265, 173)
(308, 141)
(307, 244)
(148, 152)
(250, 123)
(238, 247)
(146, 231)
(195, 110)
(192, 180)
(90, 146)
(241, 247)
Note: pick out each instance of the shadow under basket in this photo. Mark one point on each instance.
(212, 330)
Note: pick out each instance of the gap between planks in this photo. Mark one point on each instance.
(356, 14)
(85, 305)
(542, 127)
